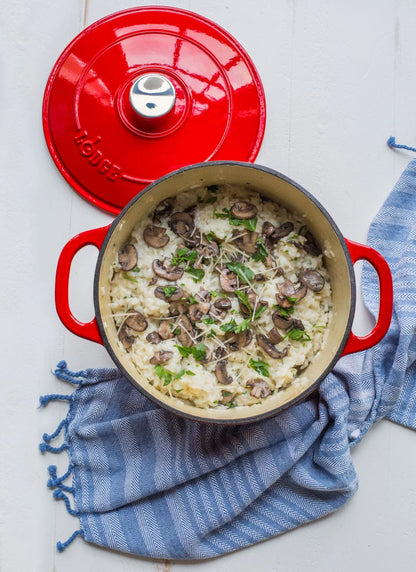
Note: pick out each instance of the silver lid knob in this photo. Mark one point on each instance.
(152, 95)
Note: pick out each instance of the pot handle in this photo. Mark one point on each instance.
(89, 330)
(360, 343)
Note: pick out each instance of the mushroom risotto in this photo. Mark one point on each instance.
(220, 297)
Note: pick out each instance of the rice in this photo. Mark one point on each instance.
(206, 372)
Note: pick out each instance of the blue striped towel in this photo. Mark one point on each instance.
(147, 482)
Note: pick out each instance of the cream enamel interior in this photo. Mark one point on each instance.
(274, 187)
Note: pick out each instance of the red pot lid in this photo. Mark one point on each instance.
(143, 92)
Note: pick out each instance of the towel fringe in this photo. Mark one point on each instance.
(62, 545)
(55, 482)
(62, 372)
(391, 142)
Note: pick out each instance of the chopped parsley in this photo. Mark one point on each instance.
(208, 320)
(249, 224)
(184, 255)
(243, 272)
(197, 273)
(260, 366)
(261, 251)
(298, 335)
(198, 352)
(169, 290)
(210, 236)
(163, 374)
(235, 328)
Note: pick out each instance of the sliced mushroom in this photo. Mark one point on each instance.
(260, 387)
(283, 322)
(166, 330)
(228, 280)
(127, 257)
(136, 321)
(297, 324)
(223, 304)
(235, 342)
(220, 352)
(153, 338)
(163, 209)
(126, 336)
(166, 270)
(182, 223)
(246, 241)
(227, 397)
(243, 210)
(282, 231)
(260, 278)
(176, 295)
(155, 236)
(207, 248)
(153, 281)
(252, 297)
(267, 229)
(203, 295)
(161, 357)
(269, 348)
(177, 308)
(221, 373)
(217, 314)
(287, 290)
(186, 331)
(274, 336)
(312, 278)
(310, 245)
(196, 311)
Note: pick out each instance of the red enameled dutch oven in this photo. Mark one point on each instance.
(339, 255)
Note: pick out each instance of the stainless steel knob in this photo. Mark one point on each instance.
(152, 95)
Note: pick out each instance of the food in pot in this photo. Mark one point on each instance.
(221, 297)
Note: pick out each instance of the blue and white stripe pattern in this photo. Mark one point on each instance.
(153, 484)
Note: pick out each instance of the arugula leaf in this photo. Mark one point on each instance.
(285, 311)
(229, 326)
(260, 366)
(169, 290)
(244, 299)
(199, 351)
(249, 224)
(261, 251)
(184, 255)
(243, 272)
(259, 312)
(235, 328)
(298, 335)
(164, 374)
(198, 273)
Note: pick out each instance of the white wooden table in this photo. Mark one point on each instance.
(339, 77)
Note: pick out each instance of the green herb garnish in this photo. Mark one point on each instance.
(184, 255)
(249, 224)
(260, 366)
(298, 335)
(197, 273)
(243, 272)
(127, 277)
(261, 251)
(244, 299)
(210, 236)
(208, 320)
(199, 351)
(169, 290)
(164, 374)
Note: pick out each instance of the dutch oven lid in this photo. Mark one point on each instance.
(146, 91)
